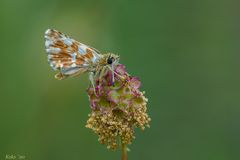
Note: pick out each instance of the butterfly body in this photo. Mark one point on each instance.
(72, 58)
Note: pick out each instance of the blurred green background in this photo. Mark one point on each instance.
(186, 54)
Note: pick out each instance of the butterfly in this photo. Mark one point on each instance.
(71, 58)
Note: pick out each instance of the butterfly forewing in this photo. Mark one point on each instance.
(68, 55)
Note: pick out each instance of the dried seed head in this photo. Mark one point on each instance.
(117, 109)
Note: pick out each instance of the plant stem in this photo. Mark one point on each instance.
(124, 151)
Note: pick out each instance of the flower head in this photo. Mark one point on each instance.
(117, 108)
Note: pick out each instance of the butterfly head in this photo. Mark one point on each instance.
(111, 59)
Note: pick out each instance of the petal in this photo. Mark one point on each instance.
(120, 69)
(135, 82)
(113, 96)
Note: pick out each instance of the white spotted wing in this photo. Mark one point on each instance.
(68, 55)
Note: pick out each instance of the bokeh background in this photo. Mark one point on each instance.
(186, 54)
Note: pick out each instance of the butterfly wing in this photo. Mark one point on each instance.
(68, 55)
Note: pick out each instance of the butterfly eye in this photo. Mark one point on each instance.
(110, 60)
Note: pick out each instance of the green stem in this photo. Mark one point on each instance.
(124, 151)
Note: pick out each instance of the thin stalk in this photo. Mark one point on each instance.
(124, 151)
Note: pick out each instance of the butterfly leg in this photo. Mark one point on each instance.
(112, 70)
(102, 72)
(91, 78)
(113, 78)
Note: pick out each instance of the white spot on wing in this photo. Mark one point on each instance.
(53, 50)
(53, 66)
(48, 42)
(70, 71)
(82, 49)
(94, 58)
(67, 41)
(74, 57)
(73, 65)
(48, 31)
